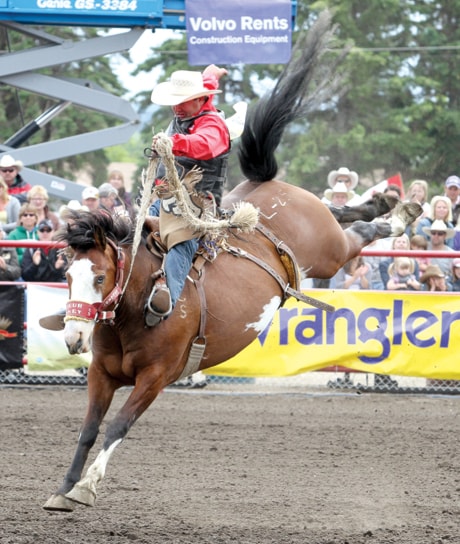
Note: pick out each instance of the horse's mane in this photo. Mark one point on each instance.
(84, 230)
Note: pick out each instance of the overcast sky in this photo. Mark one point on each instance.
(139, 52)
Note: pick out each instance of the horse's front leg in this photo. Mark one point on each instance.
(146, 389)
(100, 392)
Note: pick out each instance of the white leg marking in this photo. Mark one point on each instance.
(96, 471)
(397, 225)
(266, 316)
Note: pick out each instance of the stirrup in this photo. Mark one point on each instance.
(153, 313)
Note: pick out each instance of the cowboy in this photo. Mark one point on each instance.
(200, 138)
(9, 170)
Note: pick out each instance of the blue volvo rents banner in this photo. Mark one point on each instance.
(247, 31)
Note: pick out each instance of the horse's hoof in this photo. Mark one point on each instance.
(408, 211)
(82, 495)
(59, 503)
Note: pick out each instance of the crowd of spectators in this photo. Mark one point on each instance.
(26, 214)
(437, 229)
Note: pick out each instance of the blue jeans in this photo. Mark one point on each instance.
(178, 260)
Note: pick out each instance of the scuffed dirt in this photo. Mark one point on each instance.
(205, 467)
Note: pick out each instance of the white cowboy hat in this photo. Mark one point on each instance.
(342, 172)
(183, 85)
(439, 226)
(7, 161)
(339, 187)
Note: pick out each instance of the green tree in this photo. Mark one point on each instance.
(397, 110)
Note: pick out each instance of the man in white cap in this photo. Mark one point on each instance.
(90, 198)
(17, 186)
(200, 138)
(452, 191)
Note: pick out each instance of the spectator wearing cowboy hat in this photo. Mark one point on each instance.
(349, 178)
(438, 233)
(199, 138)
(339, 195)
(9, 170)
(434, 279)
(440, 208)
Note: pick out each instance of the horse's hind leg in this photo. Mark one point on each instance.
(360, 234)
(380, 204)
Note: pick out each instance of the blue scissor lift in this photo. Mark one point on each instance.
(20, 70)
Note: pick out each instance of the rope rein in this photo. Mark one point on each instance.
(244, 217)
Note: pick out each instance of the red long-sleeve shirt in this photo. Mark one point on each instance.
(208, 136)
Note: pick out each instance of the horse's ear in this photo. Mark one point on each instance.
(100, 238)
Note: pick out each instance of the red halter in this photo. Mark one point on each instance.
(97, 311)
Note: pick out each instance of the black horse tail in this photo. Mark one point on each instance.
(289, 100)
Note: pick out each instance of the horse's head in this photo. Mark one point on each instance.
(95, 274)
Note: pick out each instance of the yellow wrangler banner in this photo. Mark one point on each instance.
(410, 334)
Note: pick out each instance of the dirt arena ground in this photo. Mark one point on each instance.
(212, 467)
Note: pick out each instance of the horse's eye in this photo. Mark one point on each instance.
(100, 279)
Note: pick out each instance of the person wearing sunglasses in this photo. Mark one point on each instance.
(9, 171)
(26, 229)
(45, 263)
(438, 233)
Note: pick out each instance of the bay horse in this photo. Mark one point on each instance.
(225, 304)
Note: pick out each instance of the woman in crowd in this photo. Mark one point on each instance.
(117, 180)
(440, 209)
(26, 229)
(9, 208)
(38, 198)
(418, 192)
